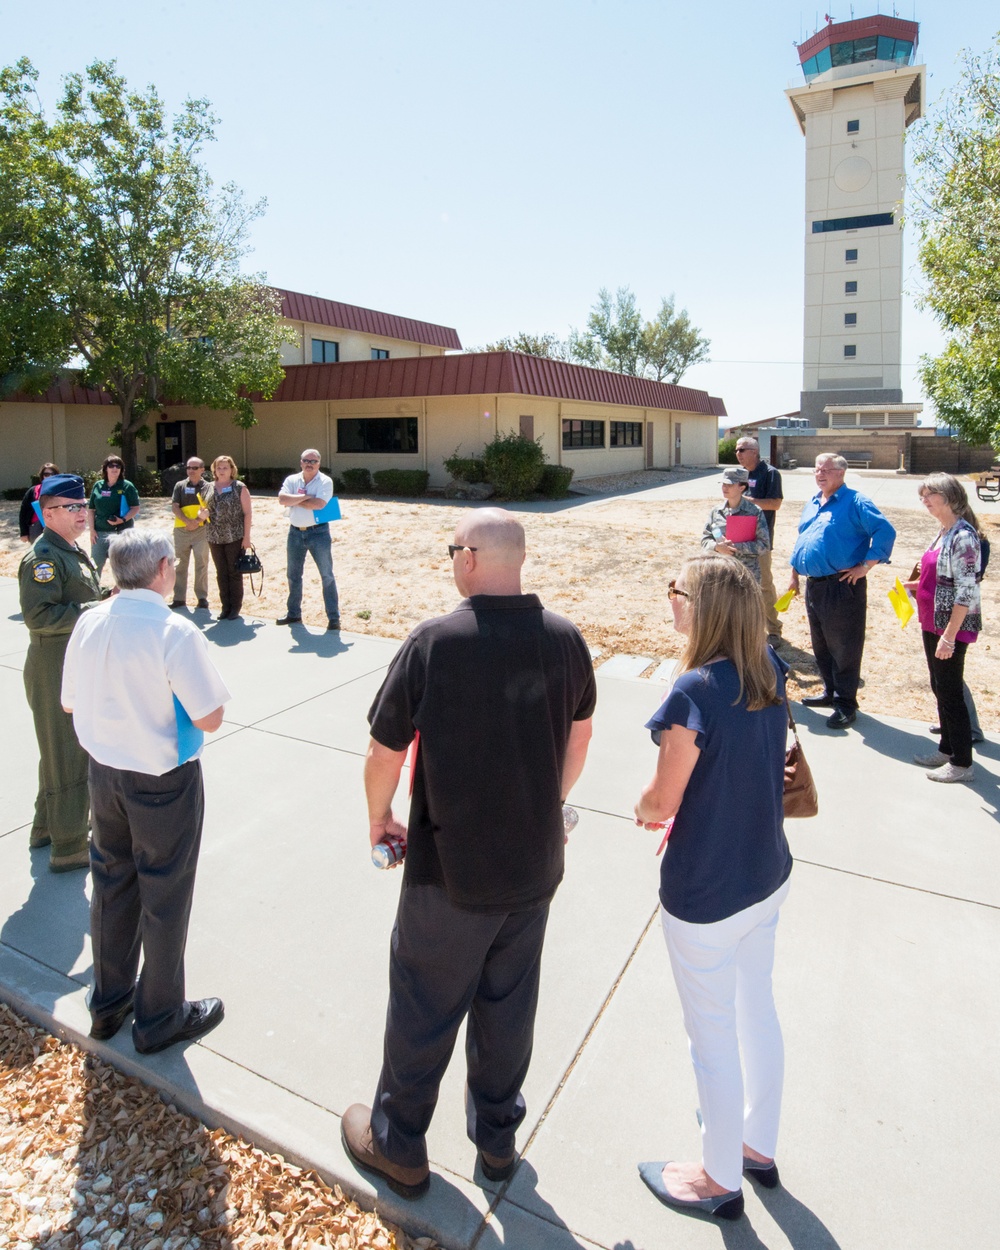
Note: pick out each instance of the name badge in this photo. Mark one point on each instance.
(105, 494)
(223, 490)
(190, 490)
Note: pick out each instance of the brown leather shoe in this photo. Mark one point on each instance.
(496, 1168)
(356, 1134)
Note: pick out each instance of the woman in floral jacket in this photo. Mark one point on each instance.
(950, 612)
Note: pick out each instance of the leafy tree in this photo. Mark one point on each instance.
(117, 253)
(957, 208)
(548, 345)
(670, 345)
(613, 337)
(616, 338)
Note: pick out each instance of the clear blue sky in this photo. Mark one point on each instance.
(491, 165)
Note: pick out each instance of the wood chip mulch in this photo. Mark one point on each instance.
(91, 1159)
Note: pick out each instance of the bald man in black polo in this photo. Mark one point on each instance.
(502, 693)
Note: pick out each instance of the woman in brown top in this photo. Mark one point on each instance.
(229, 518)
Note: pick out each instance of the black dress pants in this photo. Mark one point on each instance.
(947, 677)
(837, 613)
(446, 964)
(224, 557)
(143, 857)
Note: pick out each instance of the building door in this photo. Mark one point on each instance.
(677, 442)
(527, 427)
(649, 444)
(176, 442)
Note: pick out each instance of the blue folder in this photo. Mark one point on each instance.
(189, 737)
(123, 510)
(329, 512)
(38, 512)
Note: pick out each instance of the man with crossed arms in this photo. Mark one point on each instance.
(304, 494)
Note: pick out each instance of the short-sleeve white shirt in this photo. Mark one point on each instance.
(321, 487)
(126, 659)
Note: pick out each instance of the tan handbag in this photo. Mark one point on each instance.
(800, 798)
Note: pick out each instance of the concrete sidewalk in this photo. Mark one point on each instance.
(887, 967)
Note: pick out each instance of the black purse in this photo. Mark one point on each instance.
(248, 563)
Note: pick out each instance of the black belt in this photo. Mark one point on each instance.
(827, 577)
(315, 525)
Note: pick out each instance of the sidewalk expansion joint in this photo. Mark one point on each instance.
(341, 685)
(900, 885)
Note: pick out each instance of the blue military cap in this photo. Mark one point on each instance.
(65, 485)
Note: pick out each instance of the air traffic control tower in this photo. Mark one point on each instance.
(861, 92)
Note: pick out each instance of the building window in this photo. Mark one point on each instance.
(325, 352)
(377, 435)
(850, 319)
(380, 353)
(850, 288)
(851, 255)
(853, 127)
(852, 223)
(850, 349)
(625, 434)
(583, 433)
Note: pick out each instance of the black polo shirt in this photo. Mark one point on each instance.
(493, 689)
(765, 483)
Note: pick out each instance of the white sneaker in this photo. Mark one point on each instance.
(934, 760)
(951, 772)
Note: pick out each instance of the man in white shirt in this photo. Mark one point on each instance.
(142, 688)
(305, 494)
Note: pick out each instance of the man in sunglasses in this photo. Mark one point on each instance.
(305, 495)
(57, 582)
(502, 693)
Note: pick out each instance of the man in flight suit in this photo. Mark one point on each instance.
(57, 582)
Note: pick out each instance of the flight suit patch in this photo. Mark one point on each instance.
(43, 571)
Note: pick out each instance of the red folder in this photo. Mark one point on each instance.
(741, 529)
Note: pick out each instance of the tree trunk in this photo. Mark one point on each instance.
(128, 450)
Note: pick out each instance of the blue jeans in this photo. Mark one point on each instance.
(315, 540)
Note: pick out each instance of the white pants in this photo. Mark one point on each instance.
(723, 976)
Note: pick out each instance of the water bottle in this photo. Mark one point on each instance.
(389, 851)
(571, 818)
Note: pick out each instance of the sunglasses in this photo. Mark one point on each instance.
(452, 549)
(308, 461)
(70, 507)
(673, 591)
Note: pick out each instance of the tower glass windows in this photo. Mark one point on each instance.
(853, 127)
(850, 349)
(850, 288)
(850, 319)
(851, 255)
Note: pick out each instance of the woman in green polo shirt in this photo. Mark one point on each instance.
(114, 503)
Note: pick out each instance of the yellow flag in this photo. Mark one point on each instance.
(785, 602)
(901, 604)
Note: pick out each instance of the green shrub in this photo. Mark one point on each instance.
(266, 478)
(338, 486)
(357, 479)
(401, 481)
(147, 482)
(727, 451)
(465, 468)
(514, 464)
(90, 478)
(555, 481)
(14, 493)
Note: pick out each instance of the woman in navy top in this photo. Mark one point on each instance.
(721, 733)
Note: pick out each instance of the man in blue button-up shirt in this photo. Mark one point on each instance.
(841, 536)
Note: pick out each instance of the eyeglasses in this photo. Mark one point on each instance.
(70, 507)
(673, 590)
(310, 460)
(452, 549)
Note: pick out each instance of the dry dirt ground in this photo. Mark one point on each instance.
(605, 567)
(94, 1160)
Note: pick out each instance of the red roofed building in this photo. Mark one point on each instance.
(383, 394)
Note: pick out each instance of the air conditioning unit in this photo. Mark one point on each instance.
(782, 423)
